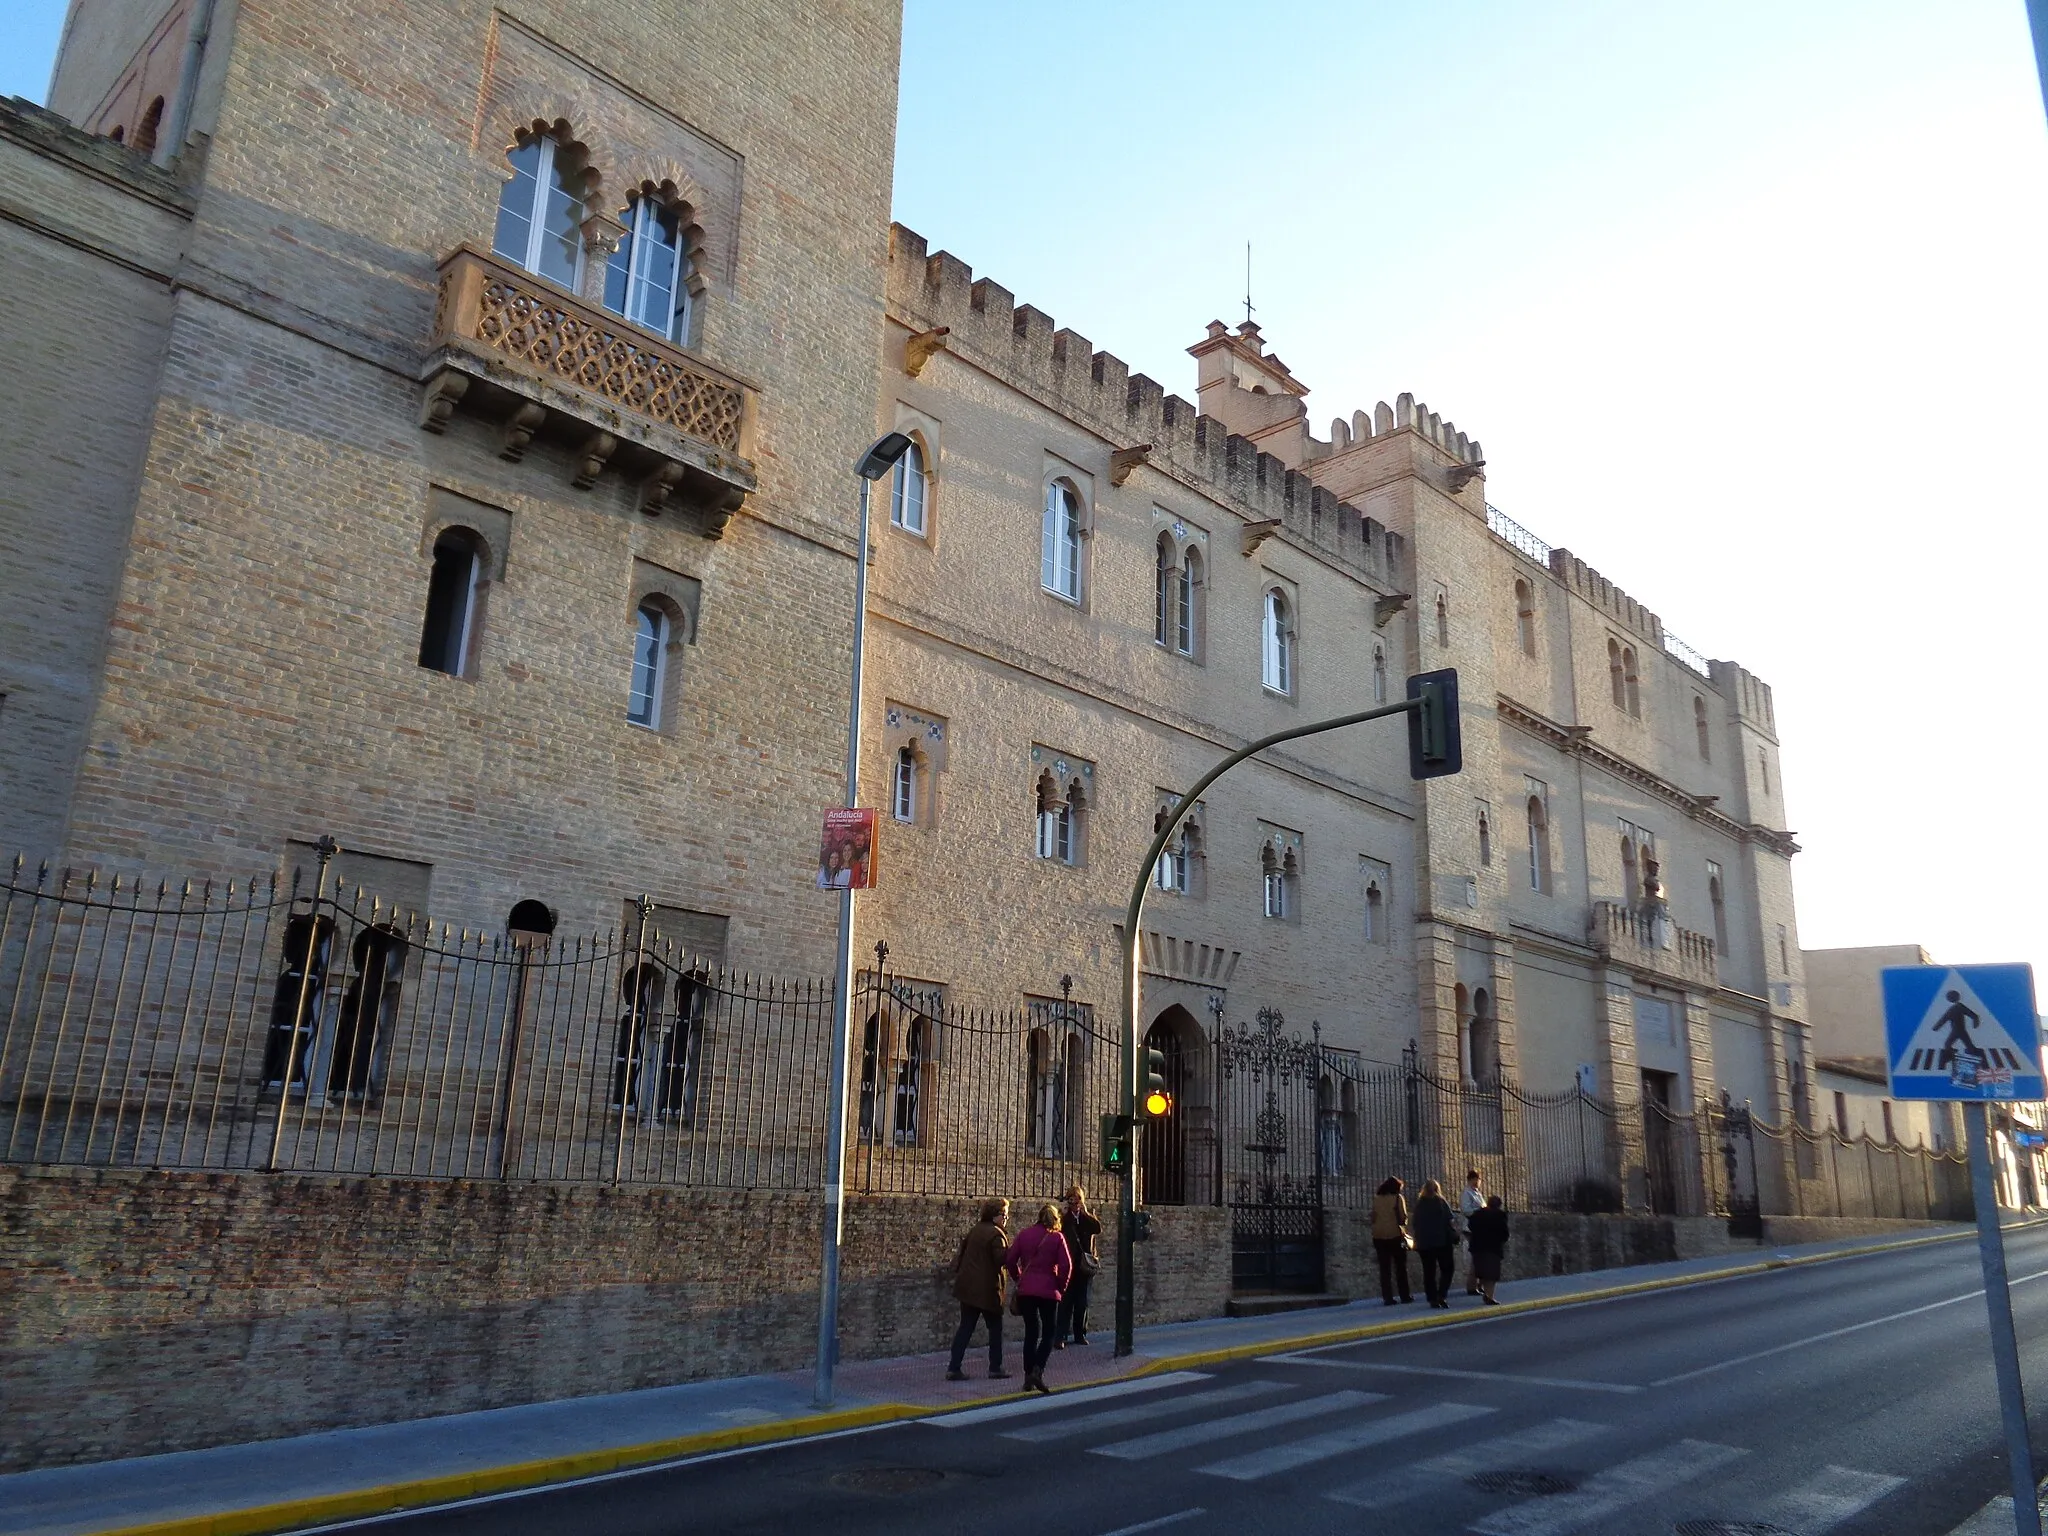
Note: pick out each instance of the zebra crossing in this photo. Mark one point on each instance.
(1251, 1430)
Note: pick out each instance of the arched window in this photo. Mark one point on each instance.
(1485, 840)
(1699, 727)
(540, 215)
(1280, 872)
(872, 1046)
(903, 785)
(1631, 876)
(1717, 899)
(146, 130)
(1485, 1041)
(1375, 911)
(1539, 845)
(1165, 580)
(1443, 619)
(530, 916)
(1615, 685)
(1050, 1069)
(448, 634)
(1060, 546)
(1461, 1005)
(1525, 616)
(1379, 673)
(648, 277)
(650, 665)
(1763, 767)
(907, 491)
(1277, 644)
(369, 1009)
(1628, 681)
(1185, 634)
(908, 1128)
(1059, 820)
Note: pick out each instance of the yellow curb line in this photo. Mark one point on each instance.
(423, 1492)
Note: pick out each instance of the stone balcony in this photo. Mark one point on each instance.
(536, 361)
(1644, 939)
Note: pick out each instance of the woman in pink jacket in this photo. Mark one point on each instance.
(1039, 1262)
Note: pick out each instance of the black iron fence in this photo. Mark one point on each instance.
(287, 1025)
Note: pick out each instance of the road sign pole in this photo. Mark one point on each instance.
(2005, 1354)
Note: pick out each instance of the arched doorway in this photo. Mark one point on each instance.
(1165, 1174)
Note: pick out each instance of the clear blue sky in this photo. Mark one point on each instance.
(1745, 302)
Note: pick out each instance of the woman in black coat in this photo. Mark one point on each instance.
(1435, 1229)
(1489, 1238)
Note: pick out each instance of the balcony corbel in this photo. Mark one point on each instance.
(541, 363)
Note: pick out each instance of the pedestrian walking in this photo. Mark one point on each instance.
(1489, 1241)
(1390, 1239)
(978, 1285)
(1471, 1201)
(1039, 1262)
(1078, 1225)
(1435, 1229)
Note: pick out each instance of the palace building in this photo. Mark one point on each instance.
(434, 435)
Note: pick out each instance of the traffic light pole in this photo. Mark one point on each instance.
(1126, 1236)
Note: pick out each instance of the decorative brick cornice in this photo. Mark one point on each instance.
(1578, 741)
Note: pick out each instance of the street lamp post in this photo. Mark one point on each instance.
(879, 459)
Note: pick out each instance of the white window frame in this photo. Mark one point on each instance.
(1171, 872)
(903, 786)
(536, 215)
(910, 499)
(643, 228)
(1185, 639)
(1056, 833)
(1276, 643)
(1059, 556)
(655, 671)
(1276, 893)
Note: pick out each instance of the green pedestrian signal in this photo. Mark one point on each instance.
(1116, 1143)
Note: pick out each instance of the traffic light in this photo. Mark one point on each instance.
(1116, 1143)
(1141, 1225)
(1153, 1097)
(1436, 744)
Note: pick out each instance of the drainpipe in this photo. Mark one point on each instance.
(196, 36)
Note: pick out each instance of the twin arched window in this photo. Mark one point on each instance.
(1276, 648)
(1539, 845)
(1060, 543)
(541, 212)
(1622, 680)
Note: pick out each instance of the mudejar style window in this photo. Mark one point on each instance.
(540, 215)
(648, 279)
(650, 664)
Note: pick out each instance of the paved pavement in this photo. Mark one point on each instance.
(448, 1458)
(1846, 1399)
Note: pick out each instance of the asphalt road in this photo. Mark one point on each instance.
(1853, 1398)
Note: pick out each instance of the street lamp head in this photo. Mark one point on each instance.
(882, 455)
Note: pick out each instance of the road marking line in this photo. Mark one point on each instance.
(1025, 1405)
(1829, 1497)
(1138, 1413)
(1237, 1424)
(1153, 1525)
(1603, 1494)
(1438, 1370)
(1353, 1437)
(1836, 1333)
(1397, 1485)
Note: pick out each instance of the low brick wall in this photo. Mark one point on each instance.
(144, 1311)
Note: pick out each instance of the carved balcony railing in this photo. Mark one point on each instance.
(538, 361)
(1643, 938)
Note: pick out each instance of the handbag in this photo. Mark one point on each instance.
(1087, 1263)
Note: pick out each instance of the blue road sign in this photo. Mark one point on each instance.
(1962, 1032)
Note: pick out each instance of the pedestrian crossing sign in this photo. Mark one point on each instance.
(1962, 1032)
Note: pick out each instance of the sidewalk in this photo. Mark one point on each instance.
(274, 1485)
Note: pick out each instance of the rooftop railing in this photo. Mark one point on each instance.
(1505, 527)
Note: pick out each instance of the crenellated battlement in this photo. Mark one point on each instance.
(986, 324)
(1606, 596)
(1406, 411)
(1750, 694)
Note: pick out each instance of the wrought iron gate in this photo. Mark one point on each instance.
(1267, 1148)
(1738, 1166)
